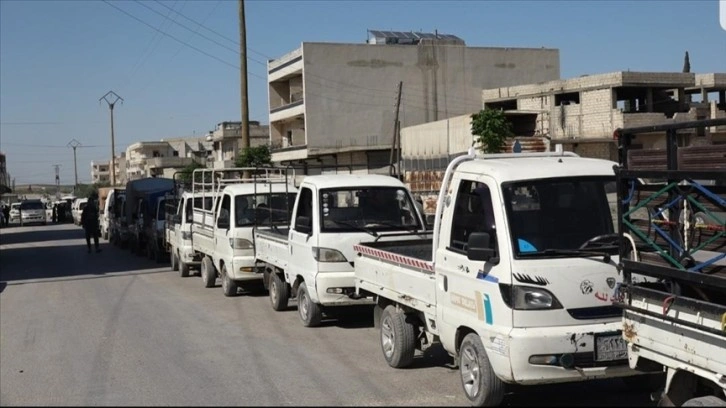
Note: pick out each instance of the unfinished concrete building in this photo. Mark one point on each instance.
(582, 113)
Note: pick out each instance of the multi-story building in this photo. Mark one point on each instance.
(582, 113)
(336, 103)
(165, 157)
(4, 176)
(100, 173)
(226, 141)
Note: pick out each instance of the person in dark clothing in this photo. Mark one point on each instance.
(6, 213)
(89, 221)
(55, 213)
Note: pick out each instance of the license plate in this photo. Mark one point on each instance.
(610, 347)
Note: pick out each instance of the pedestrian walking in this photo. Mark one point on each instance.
(55, 213)
(89, 221)
(6, 213)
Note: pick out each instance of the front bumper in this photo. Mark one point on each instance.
(245, 268)
(344, 282)
(570, 350)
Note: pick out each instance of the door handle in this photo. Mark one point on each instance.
(444, 283)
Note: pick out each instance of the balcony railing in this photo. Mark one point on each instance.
(288, 106)
(164, 162)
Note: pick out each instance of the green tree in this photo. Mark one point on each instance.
(491, 128)
(186, 173)
(257, 156)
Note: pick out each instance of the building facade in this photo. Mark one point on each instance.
(165, 157)
(582, 113)
(226, 141)
(335, 104)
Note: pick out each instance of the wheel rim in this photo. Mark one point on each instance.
(273, 291)
(388, 337)
(470, 371)
(303, 306)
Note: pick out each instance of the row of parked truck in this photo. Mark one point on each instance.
(539, 267)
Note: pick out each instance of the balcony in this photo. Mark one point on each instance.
(167, 162)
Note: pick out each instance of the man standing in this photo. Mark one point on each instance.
(89, 220)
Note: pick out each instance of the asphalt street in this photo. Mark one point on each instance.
(114, 329)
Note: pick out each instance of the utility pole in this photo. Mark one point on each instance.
(395, 131)
(74, 144)
(57, 180)
(111, 98)
(245, 130)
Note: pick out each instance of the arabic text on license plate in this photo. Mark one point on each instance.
(610, 348)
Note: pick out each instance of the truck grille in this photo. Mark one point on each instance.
(598, 312)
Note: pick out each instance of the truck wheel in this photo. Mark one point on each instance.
(310, 312)
(481, 385)
(183, 267)
(229, 287)
(644, 382)
(398, 341)
(279, 293)
(209, 275)
(174, 260)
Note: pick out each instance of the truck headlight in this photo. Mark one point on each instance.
(240, 243)
(186, 235)
(328, 255)
(529, 298)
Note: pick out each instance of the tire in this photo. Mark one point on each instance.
(310, 312)
(209, 275)
(229, 286)
(481, 386)
(398, 341)
(183, 268)
(279, 292)
(174, 259)
(707, 401)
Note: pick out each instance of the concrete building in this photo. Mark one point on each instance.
(5, 186)
(582, 113)
(101, 174)
(165, 157)
(226, 139)
(335, 104)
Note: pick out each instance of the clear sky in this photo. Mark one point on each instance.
(176, 63)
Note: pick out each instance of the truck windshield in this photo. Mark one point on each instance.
(32, 205)
(251, 209)
(548, 217)
(370, 208)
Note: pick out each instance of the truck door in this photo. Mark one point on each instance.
(302, 238)
(222, 248)
(468, 291)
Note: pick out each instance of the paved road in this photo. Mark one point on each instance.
(117, 329)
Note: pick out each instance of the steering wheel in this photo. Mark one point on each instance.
(603, 240)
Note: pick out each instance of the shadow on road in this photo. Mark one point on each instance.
(59, 251)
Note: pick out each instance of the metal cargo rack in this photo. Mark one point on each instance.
(674, 218)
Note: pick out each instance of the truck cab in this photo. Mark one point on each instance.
(179, 226)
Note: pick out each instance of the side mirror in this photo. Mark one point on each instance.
(304, 225)
(223, 223)
(478, 248)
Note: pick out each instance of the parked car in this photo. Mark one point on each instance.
(78, 205)
(15, 212)
(32, 211)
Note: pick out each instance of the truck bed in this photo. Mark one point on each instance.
(398, 270)
(271, 246)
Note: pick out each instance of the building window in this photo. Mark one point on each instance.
(175, 153)
(155, 153)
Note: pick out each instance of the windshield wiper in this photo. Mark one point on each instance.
(392, 225)
(358, 227)
(553, 251)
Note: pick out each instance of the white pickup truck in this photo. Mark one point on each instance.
(312, 260)
(517, 281)
(179, 233)
(222, 235)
